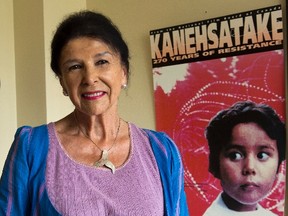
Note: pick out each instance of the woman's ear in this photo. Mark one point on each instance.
(64, 91)
(124, 77)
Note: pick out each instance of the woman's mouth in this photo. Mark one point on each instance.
(93, 95)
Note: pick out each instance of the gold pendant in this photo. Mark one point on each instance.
(105, 162)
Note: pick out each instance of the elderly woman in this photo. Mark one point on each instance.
(91, 162)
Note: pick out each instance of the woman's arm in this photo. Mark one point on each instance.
(15, 175)
(171, 171)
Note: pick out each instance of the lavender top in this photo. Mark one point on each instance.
(76, 189)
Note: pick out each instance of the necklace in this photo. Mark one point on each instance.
(103, 161)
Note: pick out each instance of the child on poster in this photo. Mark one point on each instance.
(247, 146)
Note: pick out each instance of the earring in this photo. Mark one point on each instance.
(65, 93)
(124, 86)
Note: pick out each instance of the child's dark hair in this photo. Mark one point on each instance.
(219, 130)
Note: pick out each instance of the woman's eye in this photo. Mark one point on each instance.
(74, 67)
(101, 62)
(235, 156)
(263, 156)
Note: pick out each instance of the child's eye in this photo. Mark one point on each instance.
(263, 156)
(235, 156)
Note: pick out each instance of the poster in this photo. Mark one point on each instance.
(203, 67)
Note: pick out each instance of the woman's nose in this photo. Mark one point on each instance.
(249, 166)
(90, 76)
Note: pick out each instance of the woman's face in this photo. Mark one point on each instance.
(248, 165)
(92, 75)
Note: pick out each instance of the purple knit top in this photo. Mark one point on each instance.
(76, 189)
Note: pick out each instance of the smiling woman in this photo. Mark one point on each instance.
(92, 161)
(92, 75)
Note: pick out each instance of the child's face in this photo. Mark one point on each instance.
(248, 165)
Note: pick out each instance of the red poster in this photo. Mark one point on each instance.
(203, 67)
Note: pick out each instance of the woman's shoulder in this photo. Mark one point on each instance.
(31, 143)
(146, 130)
(160, 140)
(28, 137)
(29, 128)
(30, 131)
(159, 137)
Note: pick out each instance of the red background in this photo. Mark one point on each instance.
(210, 86)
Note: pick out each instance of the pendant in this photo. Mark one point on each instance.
(105, 162)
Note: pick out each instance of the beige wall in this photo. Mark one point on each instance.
(29, 62)
(7, 79)
(39, 96)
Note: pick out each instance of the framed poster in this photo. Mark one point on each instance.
(203, 67)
